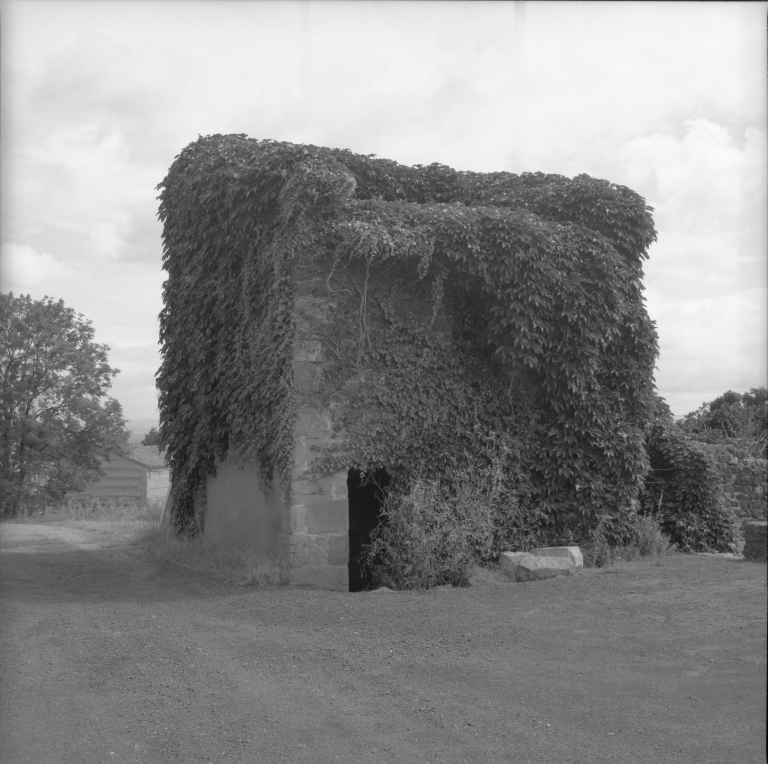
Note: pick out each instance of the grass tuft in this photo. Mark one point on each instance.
(112, 509)
(488, 573)
(138, 522)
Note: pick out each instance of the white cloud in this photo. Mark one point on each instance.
(134, 387)
(703, 181)
(706, 277)
(23, 269)
(122, 299)
(711, 345)
(667, 98)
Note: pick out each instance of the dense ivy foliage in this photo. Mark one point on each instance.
(681, 493)
(471, 307)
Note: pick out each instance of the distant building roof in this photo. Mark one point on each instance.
(148, 456)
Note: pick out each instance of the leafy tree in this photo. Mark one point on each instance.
(739, 418)
(152, 438)
(57, 419)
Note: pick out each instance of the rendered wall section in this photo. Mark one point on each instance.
(243, 511)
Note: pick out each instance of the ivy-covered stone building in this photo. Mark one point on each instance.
(334, 323)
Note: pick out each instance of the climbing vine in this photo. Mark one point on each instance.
(681, 492)
(477, 307)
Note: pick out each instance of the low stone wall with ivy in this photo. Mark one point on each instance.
(744, 480)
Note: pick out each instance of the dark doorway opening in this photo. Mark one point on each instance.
(365, 496)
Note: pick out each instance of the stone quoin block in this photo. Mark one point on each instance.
(308, 485)
(338, 549)
(338, 485)
(308, 549)
(306, 376)
(327, 515)
(309, 350)
(312, 424)
(302, 458)
(298, 551)
(298, 519)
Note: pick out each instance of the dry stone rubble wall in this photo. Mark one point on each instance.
(744, 478)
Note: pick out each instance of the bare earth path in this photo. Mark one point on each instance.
(108, 658)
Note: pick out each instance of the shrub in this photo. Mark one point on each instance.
(646, 539)
(436, 531)
(491, 485)
(681, 493)
(425, 540)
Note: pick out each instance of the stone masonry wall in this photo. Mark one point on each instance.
(319, 511)
(744, 480)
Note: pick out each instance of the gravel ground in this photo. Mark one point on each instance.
(110, 657)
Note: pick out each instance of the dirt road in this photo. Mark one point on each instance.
(108, 658)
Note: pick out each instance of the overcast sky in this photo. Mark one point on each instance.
(666, 98)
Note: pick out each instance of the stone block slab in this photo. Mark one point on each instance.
(523, 566)
(508, 561)
(572, 553)
(534, 568)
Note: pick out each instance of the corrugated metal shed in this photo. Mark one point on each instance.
(142, 474)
